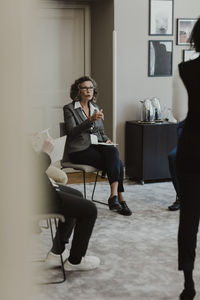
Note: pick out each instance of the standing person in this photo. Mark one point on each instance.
(188, 169)
(84, 128)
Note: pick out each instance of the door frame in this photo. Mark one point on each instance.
(47, 4)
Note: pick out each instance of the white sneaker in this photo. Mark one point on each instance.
(87, 263)
(54, 259)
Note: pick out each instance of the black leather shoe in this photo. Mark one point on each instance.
(114, 204)
(175, 205)
(125, 209)
(187, 294)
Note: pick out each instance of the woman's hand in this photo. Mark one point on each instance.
(97, 116)
(109, 142)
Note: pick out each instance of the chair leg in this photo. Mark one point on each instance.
(94, 191)
(84, 184)
(61, 259)
(51, 229)
(95, 184)
(100, 202)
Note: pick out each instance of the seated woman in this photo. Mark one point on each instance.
(84, 127)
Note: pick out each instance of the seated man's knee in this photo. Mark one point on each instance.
(78, 193)
(70, 190)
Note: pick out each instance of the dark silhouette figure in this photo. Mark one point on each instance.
(188, 169)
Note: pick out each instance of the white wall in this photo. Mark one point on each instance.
(16, 175)
(133, 83)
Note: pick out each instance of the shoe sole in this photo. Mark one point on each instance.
(128, 213)
(80, 270)
(115, 208)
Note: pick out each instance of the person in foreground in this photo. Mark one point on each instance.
(188, 169)
(172, 169)
(80, 214)
(85, 130)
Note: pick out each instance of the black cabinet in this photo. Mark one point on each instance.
(146, 150)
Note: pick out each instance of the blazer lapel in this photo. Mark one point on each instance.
(80, 114)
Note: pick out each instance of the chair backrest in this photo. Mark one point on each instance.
(62, 133)
(62, 129)
(65, 163)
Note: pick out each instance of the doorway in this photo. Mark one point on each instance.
(57, 52)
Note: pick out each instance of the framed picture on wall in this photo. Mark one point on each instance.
(189, 54)
(184, 28)
(161, 17)
(160, 58)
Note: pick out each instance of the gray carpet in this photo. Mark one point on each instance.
(138, 253)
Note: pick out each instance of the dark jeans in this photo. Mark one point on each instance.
(79, 214)
(172, 169)
(103, 158)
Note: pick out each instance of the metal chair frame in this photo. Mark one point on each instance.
(48, 218)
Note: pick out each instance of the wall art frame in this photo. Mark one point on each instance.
(184, 29)
(160, 62)
(161, 15)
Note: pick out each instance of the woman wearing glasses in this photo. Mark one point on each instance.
(85, 130)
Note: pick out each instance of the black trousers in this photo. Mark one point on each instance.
(80, 214)
(188, 221)
(188, 171)
(103, 158)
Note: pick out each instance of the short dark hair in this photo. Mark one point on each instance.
(195, 36)
(75, 88)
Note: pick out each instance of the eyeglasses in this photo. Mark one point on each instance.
(85, 88)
